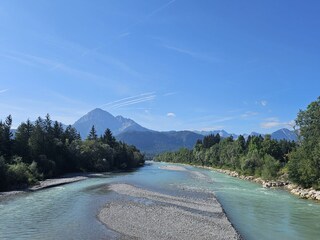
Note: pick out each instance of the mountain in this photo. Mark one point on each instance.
(284, 133)
(156, 142)
(102, 120)
(222, 133)
(150, 141)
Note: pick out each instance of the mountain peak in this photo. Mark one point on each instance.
(99, 111)
(284, 133)
(102, 120)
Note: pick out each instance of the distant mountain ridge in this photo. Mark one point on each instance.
(150, 141)
(157, 142)
(283, 133)
(222, 133)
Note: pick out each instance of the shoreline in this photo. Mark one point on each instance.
(294, 189)
(49, 183)
(144, 214)
(303, 193)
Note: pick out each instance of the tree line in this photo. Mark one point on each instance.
(45, 149)
(262, 156)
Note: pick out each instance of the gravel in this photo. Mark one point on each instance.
(56, 182)
(144, 214)
(53, 182)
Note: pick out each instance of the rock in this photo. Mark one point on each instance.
(266, 185)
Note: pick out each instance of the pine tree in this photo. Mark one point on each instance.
(108, 138)
(93, 134)
(6, 138)
(21, 143)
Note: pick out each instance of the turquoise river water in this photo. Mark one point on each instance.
(69, 211)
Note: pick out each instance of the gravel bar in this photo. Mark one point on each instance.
(144, 214)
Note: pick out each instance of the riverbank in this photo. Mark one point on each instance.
(48, 183)
(145, 214)
(305, 193)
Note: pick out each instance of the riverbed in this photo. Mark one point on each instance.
(71, 211)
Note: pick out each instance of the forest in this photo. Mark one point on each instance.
(46, 149)
(260, 156)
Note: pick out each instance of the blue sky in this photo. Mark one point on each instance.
(241, 66)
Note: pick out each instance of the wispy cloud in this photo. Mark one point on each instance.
(101, 46)
(274, 122)
(171, 114)
(192, 53)
(263, 103)
(53, 65)
(249, 114)
(151, 14)
(170, 94)
(160, 8)
(144, 97)
(18, 59)
(3, 90)
(77, 50)
(214, 120)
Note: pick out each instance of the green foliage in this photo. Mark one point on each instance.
(21, 143)
(18, 175)
(44, 149)
(6, 138)
(304, 166)
(270, 167)
(264, 157)
(108, 138)
(3, 173)
(251, 163)
(257, 156)
(93, 134)
(308, 122)
(210, 140)
(304, 162)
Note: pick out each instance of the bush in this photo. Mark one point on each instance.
(18, 175)
(3, 173)
(270, 167)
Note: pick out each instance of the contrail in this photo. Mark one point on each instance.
(127, 98)
(130, 100)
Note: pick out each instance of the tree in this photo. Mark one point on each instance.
(57, 130)
(210, 140)
(304, 162)
(271, 147)
(3, 174)
(37, 141)
(21, 143)
(70, 135)
(47, 150)
(308, 122)
(93, 134)
(6, 141)
(108, 138)
(270, 167)
(251, 163)
(242, 143)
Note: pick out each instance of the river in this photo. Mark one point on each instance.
(70, 211)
